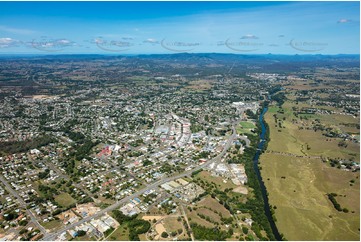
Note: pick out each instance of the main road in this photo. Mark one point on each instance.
(53, 236)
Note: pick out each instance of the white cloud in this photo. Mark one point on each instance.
(342, 21)
(9, 42)
(51, 45)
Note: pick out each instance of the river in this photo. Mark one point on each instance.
(263, 187)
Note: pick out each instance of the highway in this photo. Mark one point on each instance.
(51, 237)
(23, 204)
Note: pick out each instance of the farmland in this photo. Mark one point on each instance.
(298, 174)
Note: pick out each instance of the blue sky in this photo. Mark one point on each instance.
(172, 27)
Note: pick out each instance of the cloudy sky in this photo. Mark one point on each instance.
(171, 27)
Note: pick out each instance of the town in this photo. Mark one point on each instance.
(102, 148)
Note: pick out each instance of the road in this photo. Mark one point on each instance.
(23, 204)
(51, 237)
(186, 219)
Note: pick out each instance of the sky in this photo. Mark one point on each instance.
(175, 27)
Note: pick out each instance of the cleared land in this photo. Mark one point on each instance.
(52, 224)
(209, 213)
(297, 181)
(83, 238)
(172, 225)
(206, 176)
(120, 234)
(64, 199)
(199, 85)
(212, 203)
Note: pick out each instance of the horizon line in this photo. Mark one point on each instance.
(190, 53)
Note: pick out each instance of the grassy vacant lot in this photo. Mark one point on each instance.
(213, 213)
(64, 199)
(52, 224)
(171, 224)
(200, 85)
(120, 234)
(138, 78)
(206, 176)
(193, 217)
(297, 186)
(212, 203)
(83, 238)
(142, 237)
(211, 208)
(245, 127)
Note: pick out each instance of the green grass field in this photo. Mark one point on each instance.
(298, 185)
(245, 127)
(64, 199)
(52, 224)
(120, 234)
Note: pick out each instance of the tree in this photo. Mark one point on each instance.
(81, 233)
(136, 227)
(23, 223)
(164, 235)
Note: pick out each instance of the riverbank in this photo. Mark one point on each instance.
(258, 206)
(262, 145)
